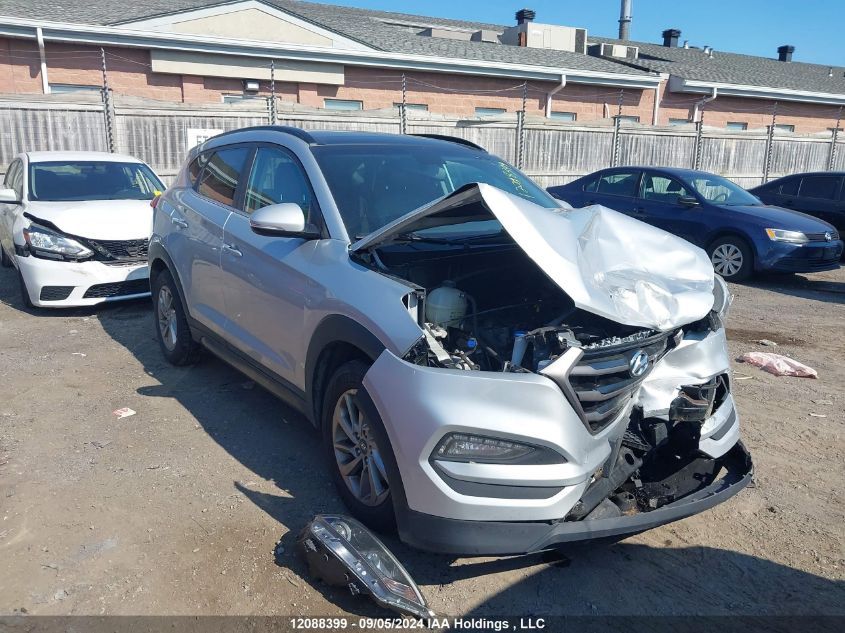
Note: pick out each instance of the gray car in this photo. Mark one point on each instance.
(490, 370)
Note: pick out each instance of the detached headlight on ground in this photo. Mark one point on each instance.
(722, 297)
(342, 552)
(44, 242)
(782, 235)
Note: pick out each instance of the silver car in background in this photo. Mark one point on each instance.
(491, 372)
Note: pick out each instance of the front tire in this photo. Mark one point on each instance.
(171, 325)
(27, 302)
(731, 258)
(356, 459)
(5, 260)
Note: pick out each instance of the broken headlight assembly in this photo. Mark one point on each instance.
(50, 244)
(782, 235)
(343, 553)
(465, 447)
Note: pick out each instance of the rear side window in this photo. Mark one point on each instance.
(219, 179)
(195, 168)
(789, 187)
(823, 187)
(619, 183)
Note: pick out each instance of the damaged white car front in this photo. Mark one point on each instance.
(571, 380)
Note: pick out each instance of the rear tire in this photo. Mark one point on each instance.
(357, 462)
(171, 324)
(732, 258)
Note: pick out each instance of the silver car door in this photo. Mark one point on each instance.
(196, 239)
(265, 278)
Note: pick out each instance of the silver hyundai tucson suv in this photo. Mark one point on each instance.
(491, 371)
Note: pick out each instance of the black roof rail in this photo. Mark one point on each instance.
(287, 129)
(453, 139)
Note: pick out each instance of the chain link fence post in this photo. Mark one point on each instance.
(831, 157)
(696, 153)
(108, 110)
(273, 92)
(520, 128)
(403, 109)
(770, 142)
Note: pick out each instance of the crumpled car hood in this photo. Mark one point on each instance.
(97, 219)
(609, 264)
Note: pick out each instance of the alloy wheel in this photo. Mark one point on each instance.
(167, 318)
(727, 259)
(358, 458)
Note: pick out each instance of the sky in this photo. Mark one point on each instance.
(753, 27)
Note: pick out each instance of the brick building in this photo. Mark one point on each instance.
(201, 51)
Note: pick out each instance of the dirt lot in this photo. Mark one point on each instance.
(176, 510)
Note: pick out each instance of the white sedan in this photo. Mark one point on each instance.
(76, 226)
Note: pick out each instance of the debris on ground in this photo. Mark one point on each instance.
(766, 342)
(778, 364)
(124, 412)
(818, 415)
(822, 401)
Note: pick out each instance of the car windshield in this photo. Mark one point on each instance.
(376, 184)
(63, 181)
(722, 191)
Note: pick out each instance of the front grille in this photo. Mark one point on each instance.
(820, 237)
(127, 250)
(55, 293)
(805, 264)
(118, 289)
(603, 382)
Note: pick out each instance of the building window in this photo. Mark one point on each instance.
(627, 118)
(784, 127)
(564, 116)
(342, 104)
(736, 125)
(412, 106)
(65, 88)
(678, 121)
(489, 111)
(240, 98)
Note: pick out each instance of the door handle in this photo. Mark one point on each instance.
(232, 250)
(179, 222)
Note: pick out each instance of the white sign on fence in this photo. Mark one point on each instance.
(195, 136)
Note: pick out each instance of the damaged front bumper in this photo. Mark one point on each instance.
(469, 507)
(518, 537)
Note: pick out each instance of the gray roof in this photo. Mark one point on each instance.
(372, 28)
(379, 30)
(733, 68)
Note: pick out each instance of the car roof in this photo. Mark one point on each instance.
(808, 173)
(316, 138)
(45, 157)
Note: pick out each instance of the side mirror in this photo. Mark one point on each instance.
(285, 219)
(688, 201)
(9, 196)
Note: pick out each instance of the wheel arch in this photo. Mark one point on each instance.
(337, 340)
(159, 260)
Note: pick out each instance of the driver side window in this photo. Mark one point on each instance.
(662, 189)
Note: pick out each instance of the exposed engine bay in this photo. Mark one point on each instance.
(492, 309)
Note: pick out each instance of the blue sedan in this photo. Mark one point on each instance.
(740, 233)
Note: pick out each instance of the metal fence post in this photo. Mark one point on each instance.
(107, 104)
(272, 92)
(520, 128)
(831, 157)
(403, 121)
(696, 154)
(770, 142)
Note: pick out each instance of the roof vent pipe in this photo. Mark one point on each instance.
(670, 38)
(525, 15)
(625, 20)
(785, 53)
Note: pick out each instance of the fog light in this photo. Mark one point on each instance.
(343, 553)
(465, 447)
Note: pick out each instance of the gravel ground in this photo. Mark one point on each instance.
(177, 509)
